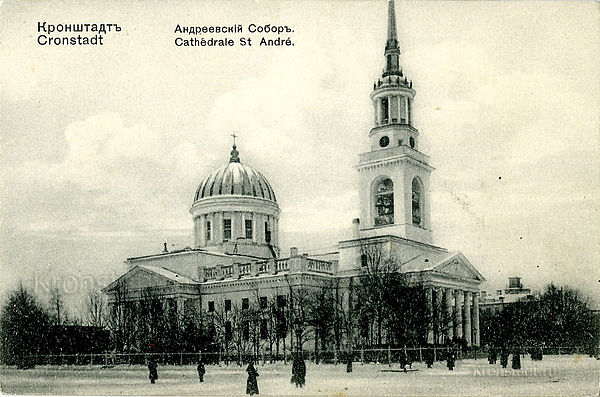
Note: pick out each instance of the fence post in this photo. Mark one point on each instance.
(180, 358)
(559, 350)
(420, 354)
(362, 356)
(389, 356)
(434, 353)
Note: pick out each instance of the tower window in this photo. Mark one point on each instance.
(384, 203)
(411, 140)
(267, 233)
(248, 227)
(226, 229)
(384, 110)
(363, 260)
(384, 141)
(417, 194)
(208, 230)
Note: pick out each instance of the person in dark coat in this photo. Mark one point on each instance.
(504, 357)
(429, 356)
(492, 354)
(252, 383)
(201, 371)
(298, 371)
(451, 359)
(152, 368)
(349, 363)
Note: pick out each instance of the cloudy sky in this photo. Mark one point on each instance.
(103, 147)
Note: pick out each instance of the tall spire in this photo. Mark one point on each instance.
(392, 37)
(392, 51)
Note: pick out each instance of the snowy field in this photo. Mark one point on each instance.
(555, 375)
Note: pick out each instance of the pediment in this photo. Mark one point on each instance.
(139, 277)
(458, 266)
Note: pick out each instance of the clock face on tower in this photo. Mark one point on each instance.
(384, 141)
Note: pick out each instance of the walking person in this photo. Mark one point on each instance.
(300, 371)
(152, 369)
(252, 383)
(201, 371)
(451, 359)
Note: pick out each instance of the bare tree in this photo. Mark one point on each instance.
(96, 308)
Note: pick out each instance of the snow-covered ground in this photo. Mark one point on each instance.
(555, 375)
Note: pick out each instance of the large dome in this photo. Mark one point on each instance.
(235, 178)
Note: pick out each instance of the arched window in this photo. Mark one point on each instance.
(384, 203)
(417, 199)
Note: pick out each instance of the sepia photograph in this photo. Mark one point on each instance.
(299, 198)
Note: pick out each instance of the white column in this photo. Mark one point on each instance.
(218, 228)
(378, 111)
(389, 113)
(202, 237)
(467, 318)
(429, 297)
(458, 295)
(197, 232)
(476, 332)
(254, 227)
(449, 312)
(375, 110)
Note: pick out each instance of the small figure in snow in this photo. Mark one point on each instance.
(152, 368)
(298, 371)
(252, 383)
(201, 371)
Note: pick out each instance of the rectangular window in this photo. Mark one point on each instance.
(208, 231)
(267, 233)
(211, 306)
(264, 330)
(228, 331)
(226, 229)
(384, 110)
(281, 301)
(248, 224)
(246, 329)
(227, 305)
(245, 303)
(402, 110)
(263, 302)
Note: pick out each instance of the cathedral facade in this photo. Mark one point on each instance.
(236, 259)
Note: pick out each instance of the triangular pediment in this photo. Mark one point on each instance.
(458, 266)
(139, 277)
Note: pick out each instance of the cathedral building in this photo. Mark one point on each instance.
(236, 257)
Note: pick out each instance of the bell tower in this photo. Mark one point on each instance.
(394, 174)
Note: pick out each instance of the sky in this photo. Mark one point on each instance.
(103, 146)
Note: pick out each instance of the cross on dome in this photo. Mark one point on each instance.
(235, 155)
